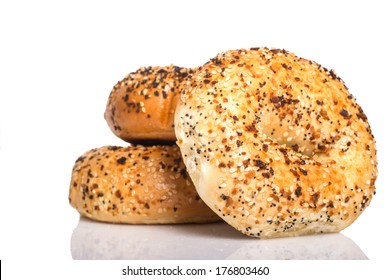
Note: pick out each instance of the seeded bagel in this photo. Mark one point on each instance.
(275, 144)
(141, 107)
(136, 185)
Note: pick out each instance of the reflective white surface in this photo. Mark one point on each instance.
(94, 240)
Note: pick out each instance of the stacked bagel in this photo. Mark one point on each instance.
(145, 182)
(274, 144)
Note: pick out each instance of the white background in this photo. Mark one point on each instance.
(59, 61)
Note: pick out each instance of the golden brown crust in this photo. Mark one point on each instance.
(142, 105)
(136, 185)
(275, 144)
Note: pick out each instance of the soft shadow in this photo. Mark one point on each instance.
(94, 240)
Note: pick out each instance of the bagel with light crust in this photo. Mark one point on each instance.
(275, 144)
(142, 105)
(136, 185)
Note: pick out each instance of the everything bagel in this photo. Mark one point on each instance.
(142, 105)
(136, 185)
(275, 144)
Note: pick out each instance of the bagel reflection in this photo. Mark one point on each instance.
(94, 240)
(332, 246)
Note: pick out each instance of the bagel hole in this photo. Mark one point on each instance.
(291, 140)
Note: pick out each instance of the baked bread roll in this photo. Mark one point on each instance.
(136, 185)
(142, 105)
(275, 144)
